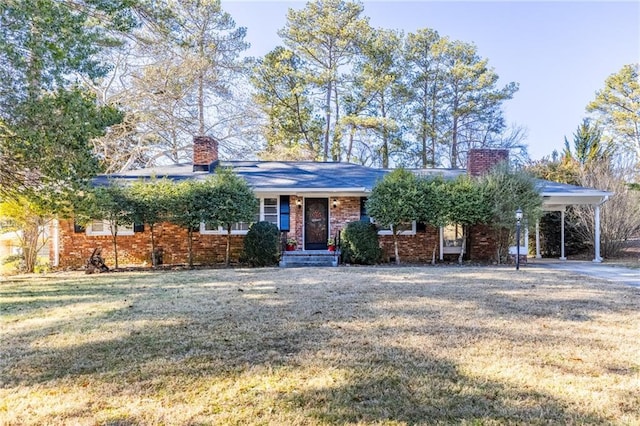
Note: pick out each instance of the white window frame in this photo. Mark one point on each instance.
(221, 230)
(123, 229)
(411, 231)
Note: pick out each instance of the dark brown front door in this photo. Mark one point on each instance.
(316, 219)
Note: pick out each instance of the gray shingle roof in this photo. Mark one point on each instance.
(328, 177)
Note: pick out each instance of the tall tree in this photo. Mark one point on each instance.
(325, 35)
(424, 54)
(617, 107)
(588, 145)
(292, 130)
(45, 46)
(473, 101)
(47, 148)
(379, 92)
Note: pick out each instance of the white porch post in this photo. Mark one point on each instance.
(596, 241)
(562, 257)
(538, 255)
(526, 238)
(441, 243)
(56, 242)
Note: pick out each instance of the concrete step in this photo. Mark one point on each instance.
(309, 258)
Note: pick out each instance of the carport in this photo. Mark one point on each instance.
(557, 196)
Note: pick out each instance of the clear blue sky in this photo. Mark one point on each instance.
(560, 52)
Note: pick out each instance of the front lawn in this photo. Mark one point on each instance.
(383, 345)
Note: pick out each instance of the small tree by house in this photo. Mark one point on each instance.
(467, 205)
(187, 207)
(151, 202)
(395, 202)
(113, 204)
(507, 191)
(232, 201)
(436, 204)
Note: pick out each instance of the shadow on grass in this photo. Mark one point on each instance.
(211, 330)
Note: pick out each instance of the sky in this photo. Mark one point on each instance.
(559, 52)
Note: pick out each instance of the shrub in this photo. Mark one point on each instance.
(261, 245)
(360, 243)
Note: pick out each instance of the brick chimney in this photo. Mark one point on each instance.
(205, 152)
(481, 161)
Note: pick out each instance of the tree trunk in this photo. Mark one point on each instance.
(115, 247)
(190, 247)
(395, 247)
(325, 154)
(464, 244)
(154, 261)
(227, 255)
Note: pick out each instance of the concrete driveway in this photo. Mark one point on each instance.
(617, 274)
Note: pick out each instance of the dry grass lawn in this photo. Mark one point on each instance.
(408, 345)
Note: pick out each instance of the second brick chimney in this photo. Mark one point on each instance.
(481, 161)
(205, 152)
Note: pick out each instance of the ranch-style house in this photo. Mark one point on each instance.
(309, 202)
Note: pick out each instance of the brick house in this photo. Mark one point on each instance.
(308, 201)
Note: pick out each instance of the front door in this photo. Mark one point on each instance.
(316, 220)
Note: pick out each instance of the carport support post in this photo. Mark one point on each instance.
(596, 241)
(562, 257)
(538, 255)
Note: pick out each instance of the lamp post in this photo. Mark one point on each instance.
(518, 219)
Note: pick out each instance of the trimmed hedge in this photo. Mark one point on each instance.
(360, 243)
(261, 245)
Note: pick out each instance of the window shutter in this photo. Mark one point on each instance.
(364, 217)
(285, 213)
(138, 227)
(78, 228)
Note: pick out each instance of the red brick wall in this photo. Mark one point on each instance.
(205, 150)
(413, 248)
(135, 249)
(346, 210)
(481, 161)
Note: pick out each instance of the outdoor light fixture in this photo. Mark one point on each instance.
(299, 203)
(335, 203)
(518, 219)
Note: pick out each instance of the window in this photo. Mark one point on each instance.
(103, 227)
(407, 229)
(452, 235)
(452, 239)
(268, 212)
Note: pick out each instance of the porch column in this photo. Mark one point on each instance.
(441, 243)
(538, 255)
(562, 257)
(596, 240)
(526, 238)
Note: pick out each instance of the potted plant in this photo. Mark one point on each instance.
(331, 244)
(291, 244)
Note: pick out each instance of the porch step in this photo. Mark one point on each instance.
(291, 259)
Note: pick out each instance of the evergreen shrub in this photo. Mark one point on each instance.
(360, 243)
(261, 245)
